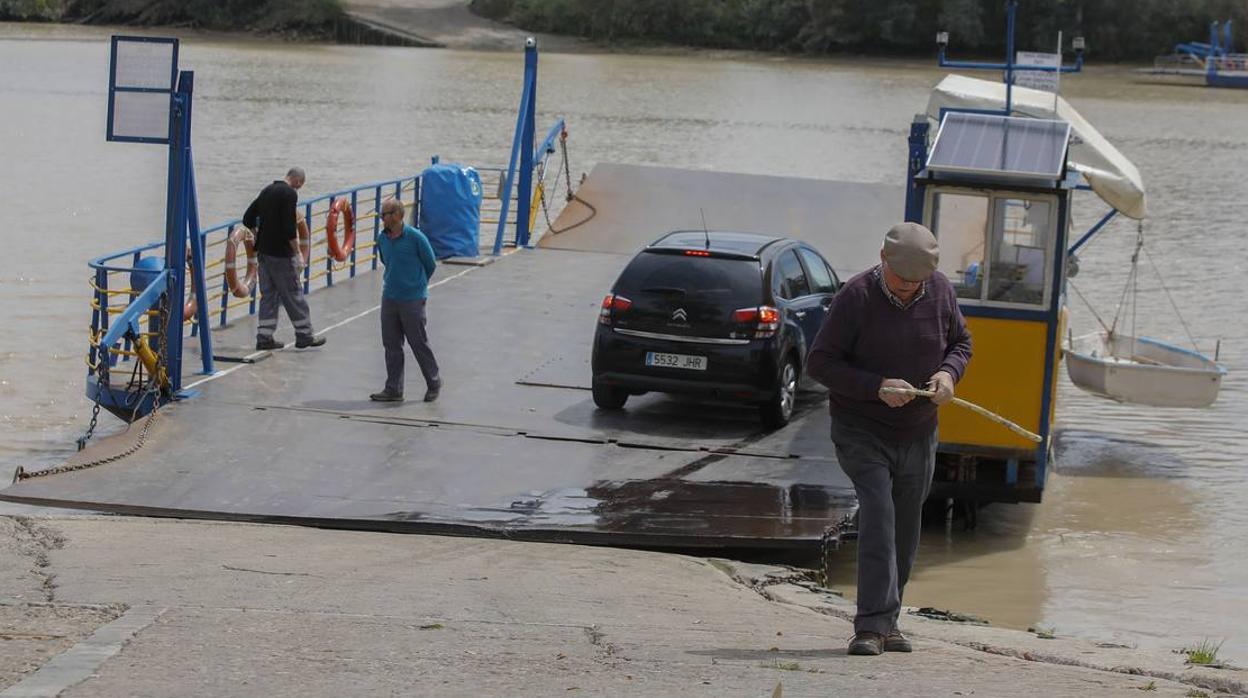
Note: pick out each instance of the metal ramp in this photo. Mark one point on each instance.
(635, 204)
(514, 447)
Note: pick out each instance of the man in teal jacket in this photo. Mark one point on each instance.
(409, 263)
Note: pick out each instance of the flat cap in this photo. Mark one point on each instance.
(911, 251)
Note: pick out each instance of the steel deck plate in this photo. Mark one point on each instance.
(514, 447)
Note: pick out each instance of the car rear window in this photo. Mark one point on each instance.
(736, 283)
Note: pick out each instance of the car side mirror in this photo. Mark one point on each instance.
(826, 302)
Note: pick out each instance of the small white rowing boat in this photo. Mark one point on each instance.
(1142, 371)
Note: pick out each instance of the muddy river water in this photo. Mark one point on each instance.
(1143, 534)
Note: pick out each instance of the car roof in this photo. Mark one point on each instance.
(719, 241)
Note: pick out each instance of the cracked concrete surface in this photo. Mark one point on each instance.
(32, 629)
(279, 611)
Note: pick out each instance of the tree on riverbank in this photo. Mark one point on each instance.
(31, 10)
(1115, 29)
(303, 17)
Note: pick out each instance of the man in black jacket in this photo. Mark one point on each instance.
(272, 217)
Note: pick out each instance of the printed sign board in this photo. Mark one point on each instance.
(1037, 79)
(142, 75)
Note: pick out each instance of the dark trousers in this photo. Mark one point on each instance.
(281, 285)
(892, 481)
(406, 320)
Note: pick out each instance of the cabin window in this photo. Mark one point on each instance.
(995, 247)
(960, 223)
(1021, 232)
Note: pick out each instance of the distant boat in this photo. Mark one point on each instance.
(1197, 63)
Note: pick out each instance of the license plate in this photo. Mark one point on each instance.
(685, 361)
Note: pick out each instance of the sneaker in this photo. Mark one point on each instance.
(268, 344)
(896, 642)
(386, 396)
(866, 643)
(305, 342)
(432, 393)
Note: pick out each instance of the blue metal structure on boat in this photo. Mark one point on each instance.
(1011, 65)
(138, 98)
(1213, 64)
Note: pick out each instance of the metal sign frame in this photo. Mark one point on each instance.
(113, 89)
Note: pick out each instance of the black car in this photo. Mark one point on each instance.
(721, 314)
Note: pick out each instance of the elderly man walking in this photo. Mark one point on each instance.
(272, 216)
(896, 325)
(409, 261)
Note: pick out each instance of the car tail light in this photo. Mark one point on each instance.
(697, 253)
(765, 317)
(612, 304)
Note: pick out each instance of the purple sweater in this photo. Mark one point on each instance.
(865, 339)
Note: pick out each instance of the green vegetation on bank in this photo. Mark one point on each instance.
(300, 17)
(1115, 29)
(31, 10)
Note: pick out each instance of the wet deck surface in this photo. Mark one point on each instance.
(513, 448)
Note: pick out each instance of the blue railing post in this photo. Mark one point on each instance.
(355, 243)
(97, 325)
(416, 183)
(376, 222)
(528, 110)
(197, 255)
(918, 155)
(225, 284)
(307, 268)
(1211, 63)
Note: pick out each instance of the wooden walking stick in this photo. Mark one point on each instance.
(991, 416)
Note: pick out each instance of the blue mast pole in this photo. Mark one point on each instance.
(1010, 6)
(193, 233)
(524, 197)
(175, 231)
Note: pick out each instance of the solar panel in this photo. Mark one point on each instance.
(1000, 147)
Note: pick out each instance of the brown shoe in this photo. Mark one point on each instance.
(866, 643)
(896, 642)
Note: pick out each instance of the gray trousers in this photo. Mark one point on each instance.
(892, 481)
(281, 285)
(406, 320)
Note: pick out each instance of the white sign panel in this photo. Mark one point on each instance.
(1037, 79)
(141, 76)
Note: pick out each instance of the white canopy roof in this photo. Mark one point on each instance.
(1110, 174)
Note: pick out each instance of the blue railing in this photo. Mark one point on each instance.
(113, 273)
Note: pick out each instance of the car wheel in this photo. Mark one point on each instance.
(777, 411)
(609, 397)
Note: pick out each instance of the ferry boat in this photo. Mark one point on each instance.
(514, 447)
(1212, 64)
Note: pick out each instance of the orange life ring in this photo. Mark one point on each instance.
(240, 289)
(343, 207)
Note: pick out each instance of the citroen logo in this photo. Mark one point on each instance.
(681, 315)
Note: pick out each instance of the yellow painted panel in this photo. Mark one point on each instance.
(1006, 375)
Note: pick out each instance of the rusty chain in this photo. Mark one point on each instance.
(152, 390)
